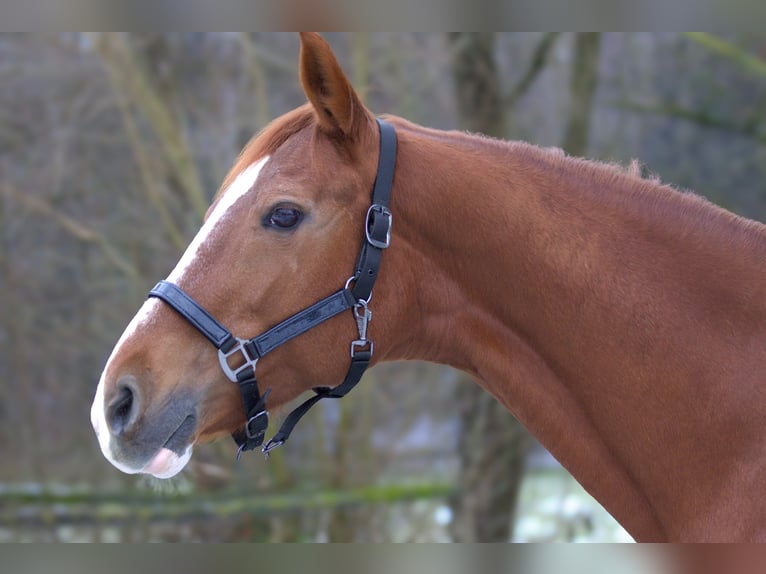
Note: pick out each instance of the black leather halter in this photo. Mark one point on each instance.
(245, 353)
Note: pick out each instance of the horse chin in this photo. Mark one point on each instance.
(167, 463)
(175, 453)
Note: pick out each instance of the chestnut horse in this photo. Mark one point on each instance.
(622, 322)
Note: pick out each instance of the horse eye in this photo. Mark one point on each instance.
(284, 217)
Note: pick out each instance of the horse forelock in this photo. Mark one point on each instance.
(268, 140)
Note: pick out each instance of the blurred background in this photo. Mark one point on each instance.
(113, 144)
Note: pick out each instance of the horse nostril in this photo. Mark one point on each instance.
(122, 411)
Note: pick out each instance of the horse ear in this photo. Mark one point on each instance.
(338, 108)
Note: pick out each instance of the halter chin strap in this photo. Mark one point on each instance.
(238, 357)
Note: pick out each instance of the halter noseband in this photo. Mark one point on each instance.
(249, 351)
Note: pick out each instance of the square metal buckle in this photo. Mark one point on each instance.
(361, 345)
(223, 359)
(376, 208)
(260, 426)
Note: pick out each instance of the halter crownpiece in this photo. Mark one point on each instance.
(245, 353)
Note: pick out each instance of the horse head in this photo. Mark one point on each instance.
(283, 232)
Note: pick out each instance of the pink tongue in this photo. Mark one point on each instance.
(160, 463)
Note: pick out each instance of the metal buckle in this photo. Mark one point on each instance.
(223, 359)
(359, 345)
(384, 211)
(254, 434)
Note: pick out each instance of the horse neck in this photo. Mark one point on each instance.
(609, 314)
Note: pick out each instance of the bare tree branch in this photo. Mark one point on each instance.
(536, 65)
(747, 61)
(752, 128)
(76, 229)
(254, 66)
(149, 178)
(127, 74)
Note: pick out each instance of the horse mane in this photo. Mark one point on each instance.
(626, 188)
(557, 155)
(614, 184)
(278, 131)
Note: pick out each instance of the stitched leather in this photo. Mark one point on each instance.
(368, 264)
(303, 321)
(193, 312)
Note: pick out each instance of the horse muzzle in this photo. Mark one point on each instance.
(136, 438)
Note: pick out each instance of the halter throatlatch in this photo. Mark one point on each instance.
(238, 357)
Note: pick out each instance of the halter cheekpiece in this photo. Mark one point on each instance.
(355, 295)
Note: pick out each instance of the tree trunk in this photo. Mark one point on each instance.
(479, 102)
(492, 444)
(492, 448)
(583, 88)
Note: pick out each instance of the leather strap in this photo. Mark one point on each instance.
(359, 364)
(256, 415)
(377, 238)
(303, 321)
(254, 404)
(193, 312)
(378, 223)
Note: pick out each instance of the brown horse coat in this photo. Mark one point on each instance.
(623, 322)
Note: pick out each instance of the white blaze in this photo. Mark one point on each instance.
(239, 187)
(164, 465)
